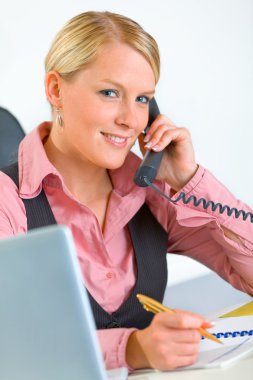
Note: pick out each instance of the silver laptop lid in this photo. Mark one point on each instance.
(47, 327)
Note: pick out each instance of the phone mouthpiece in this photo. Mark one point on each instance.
(143, 173)
(148, 168)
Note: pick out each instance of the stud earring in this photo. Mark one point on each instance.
(59, 120)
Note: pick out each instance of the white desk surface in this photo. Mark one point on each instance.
(241, 370)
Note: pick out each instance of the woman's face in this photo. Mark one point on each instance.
(105, 106)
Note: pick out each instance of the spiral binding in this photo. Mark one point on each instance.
(196, 202)
(232, 334)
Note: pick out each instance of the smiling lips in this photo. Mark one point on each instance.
(115, 140)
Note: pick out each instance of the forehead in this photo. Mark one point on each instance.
(120, 60)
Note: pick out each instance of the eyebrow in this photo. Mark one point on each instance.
(149, 92)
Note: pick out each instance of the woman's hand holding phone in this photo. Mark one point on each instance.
(178, 164)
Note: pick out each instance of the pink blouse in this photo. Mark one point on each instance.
(107, 259)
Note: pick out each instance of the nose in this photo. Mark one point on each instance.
(127, 115)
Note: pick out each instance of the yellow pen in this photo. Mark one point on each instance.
(155, 307)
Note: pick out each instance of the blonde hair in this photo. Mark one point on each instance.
(77, 43)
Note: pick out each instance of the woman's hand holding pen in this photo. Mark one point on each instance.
(171, 341)
(178, 164)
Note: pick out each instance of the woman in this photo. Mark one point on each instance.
(101, 72)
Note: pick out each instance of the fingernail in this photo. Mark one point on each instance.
(208, 324)
(146, 138)
(148, 145)
(156, 147)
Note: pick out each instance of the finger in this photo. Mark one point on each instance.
(178, 337)
(165, 136)
(168, 137)
(179, 320)
(207, 325)
(160, 120)
(186, 349)
(191, 336)
(182, 361)
(157, 135)
(171, 360)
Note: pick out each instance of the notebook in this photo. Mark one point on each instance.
(47, 326)
(236, 333)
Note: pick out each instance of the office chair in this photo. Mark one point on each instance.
(11, 133)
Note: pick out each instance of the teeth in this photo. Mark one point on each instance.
(115, 138)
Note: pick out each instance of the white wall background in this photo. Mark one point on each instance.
(206, 82)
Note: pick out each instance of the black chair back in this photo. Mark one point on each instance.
(11, 133)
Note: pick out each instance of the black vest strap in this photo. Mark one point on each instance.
(38, 210)
(150, 246)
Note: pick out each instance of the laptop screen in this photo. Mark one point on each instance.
(47, 327)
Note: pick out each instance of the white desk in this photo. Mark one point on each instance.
(204, 295)
(241, 370)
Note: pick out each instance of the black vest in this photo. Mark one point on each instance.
(150, 242)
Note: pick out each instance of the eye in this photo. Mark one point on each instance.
(143, 99)
(109, 93)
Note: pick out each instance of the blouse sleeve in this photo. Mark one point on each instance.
(113, 346)
(199, 233)
(12, 210)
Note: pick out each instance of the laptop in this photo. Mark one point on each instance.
(47, 330)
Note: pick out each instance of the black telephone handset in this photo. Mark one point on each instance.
(148, 169)
(151, 160)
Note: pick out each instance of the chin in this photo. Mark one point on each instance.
(113, 164)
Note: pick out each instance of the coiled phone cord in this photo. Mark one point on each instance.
(196, 202)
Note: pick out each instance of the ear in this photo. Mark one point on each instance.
(53, 82)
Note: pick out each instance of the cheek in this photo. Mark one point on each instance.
(93, 113)
(99, 116)
(82, 117)
(143, 122)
